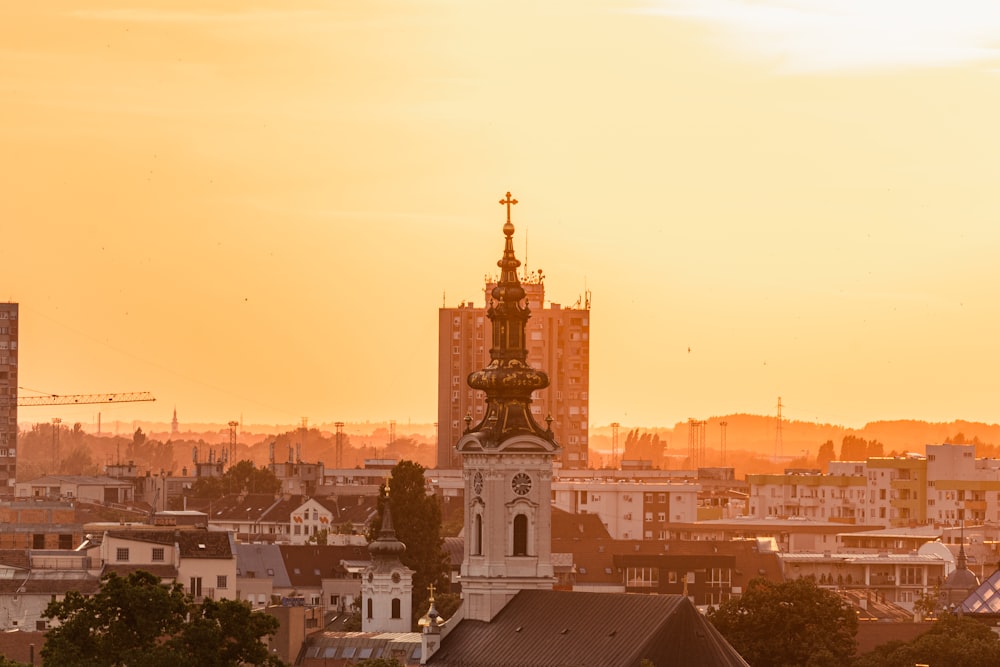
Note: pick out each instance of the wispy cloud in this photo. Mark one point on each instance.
(834, 35)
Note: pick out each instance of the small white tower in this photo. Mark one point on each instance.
(387, 586)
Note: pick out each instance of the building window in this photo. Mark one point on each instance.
(477, 535)
(334, 600)
(520, 535)
(195, 588)
(396, 613)
(158, 554)
(221, 581)
(370, 614)
(121, 554)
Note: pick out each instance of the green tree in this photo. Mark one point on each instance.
(377, 662)
(789, 624)
(955, 641)
(242, 477)
(319, 537)
(139, 622)
(416, 517)
(825, 454)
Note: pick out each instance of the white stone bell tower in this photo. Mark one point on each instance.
(507, 462)
(387, 584)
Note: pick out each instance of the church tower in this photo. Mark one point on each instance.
(506, 461)
(387, 584)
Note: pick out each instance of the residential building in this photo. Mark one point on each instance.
(99, 490)
(946, 486)
(32, 578)
(8, 397)
(203, 562)
(630, 510)
(324, 576)
(557, 339)
(39, 524)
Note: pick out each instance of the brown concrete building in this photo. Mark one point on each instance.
(557, 339)
(8, 397)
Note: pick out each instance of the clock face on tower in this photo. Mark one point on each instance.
(477, 483)
(521, 483)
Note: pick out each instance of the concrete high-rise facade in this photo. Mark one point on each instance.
(557, 339)
(8, 397)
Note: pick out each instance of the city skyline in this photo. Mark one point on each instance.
(256, 212)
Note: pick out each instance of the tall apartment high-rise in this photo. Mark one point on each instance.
(558, 340)
(8, 397)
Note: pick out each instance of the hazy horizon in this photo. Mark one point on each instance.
(254, 212)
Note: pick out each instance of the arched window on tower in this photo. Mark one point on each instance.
(520, 535)
(477, 535)
(370, 615)
(396, 608)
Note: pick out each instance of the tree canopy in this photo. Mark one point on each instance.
(139, 622)
(793, 623)
(241, 477)
(416, 517)
(956, 641)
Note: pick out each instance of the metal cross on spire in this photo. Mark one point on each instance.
(508, 202)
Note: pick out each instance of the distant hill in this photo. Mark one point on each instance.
(758, 434)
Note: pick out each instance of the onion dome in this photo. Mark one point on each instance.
(508, 381)
(386, 545)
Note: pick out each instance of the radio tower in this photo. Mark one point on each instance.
(777, 435)
(340, 444)
(614, 445)
(696, 442)
(232, 442)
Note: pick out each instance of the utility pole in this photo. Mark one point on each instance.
(55, 443)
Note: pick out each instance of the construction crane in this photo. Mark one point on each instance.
(81, 399)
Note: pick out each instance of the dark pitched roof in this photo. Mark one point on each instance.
(44, 585)
(455, 548)
(204, 544)
(155, 536)
(567, 629)
(15, 558)
(238, 507)
(567, 525)
(308, 564)
(356, 509)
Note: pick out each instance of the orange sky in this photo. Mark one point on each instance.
(255, 208)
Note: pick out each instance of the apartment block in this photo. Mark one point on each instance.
(558, 342)
(630, 510)
(946, 486)
(8, 397)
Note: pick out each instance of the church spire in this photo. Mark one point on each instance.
(508, 381)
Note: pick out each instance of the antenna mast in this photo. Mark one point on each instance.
(614, 445)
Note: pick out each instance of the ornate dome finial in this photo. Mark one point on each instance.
(508, 381)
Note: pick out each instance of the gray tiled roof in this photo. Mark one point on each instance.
(264, 561)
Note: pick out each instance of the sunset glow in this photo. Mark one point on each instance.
(255, 211)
